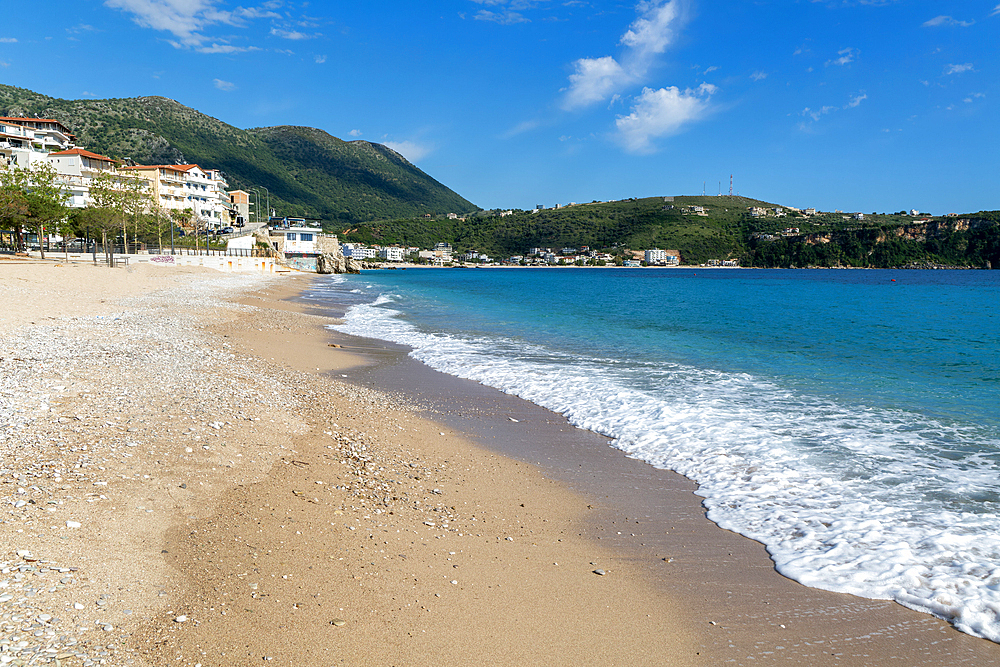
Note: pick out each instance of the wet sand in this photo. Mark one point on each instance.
(739, 608)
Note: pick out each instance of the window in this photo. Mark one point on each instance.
(305, 237)
(289, 237)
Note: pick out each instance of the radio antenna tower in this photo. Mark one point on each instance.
(703, 184)
(730, 185)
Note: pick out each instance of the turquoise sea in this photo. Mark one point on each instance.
(849, 420)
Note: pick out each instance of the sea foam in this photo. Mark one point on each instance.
(840, 495)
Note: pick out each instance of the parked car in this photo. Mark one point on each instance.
(228, 230)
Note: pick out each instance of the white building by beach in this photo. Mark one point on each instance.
(392, 254)
(178, 187)
(655, 256)
(77, 169)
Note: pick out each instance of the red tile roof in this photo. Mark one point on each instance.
(18, 119)
(84, 153)
(175, 167)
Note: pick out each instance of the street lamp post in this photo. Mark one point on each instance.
(257, 210)
(268, 204)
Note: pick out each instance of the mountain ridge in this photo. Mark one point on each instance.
(308, 172)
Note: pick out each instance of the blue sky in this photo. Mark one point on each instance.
(858, 105)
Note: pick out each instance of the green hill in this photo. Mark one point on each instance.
(724, 229)
(308, 172)
(663, 222)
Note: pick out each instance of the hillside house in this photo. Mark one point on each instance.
(48, 135)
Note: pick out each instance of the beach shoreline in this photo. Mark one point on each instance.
(212, 497)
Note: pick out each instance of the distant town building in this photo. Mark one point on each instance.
(392, 253)
(655, 256)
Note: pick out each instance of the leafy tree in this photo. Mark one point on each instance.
(109, 207)
(14, 206)
(47, 199)
(32, 198)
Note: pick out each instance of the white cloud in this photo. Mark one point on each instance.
(319, 59)
(520, 128)
(660, 113)
(846, 56)
(758, 75)
(258, 13)
(224, 85)
(710, 69)
(652, 32)
(290, 34)
(856, 100)
(974, 96)
(355, 133)
(184, 19)
(411, 150)
(505, 17)
(996, 11)
(958, 69)
(853, 102)
(597, 79)
(816, 114)
(8, 40)
(187, 20)
(946, 21)
(594, 80)
(223, 48)
(4, 64)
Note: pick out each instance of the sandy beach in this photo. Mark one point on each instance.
(196, 472)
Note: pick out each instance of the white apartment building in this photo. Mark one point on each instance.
(77, 168)
(26, 141)
(359, 252)
(655, 256)
(442, 251)
(187, 186)
(17, 146)
(392, 254)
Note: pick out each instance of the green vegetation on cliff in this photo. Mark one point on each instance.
(308, 172)
(724, 229)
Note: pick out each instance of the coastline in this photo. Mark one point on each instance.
(237, 535)
(725, 580)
